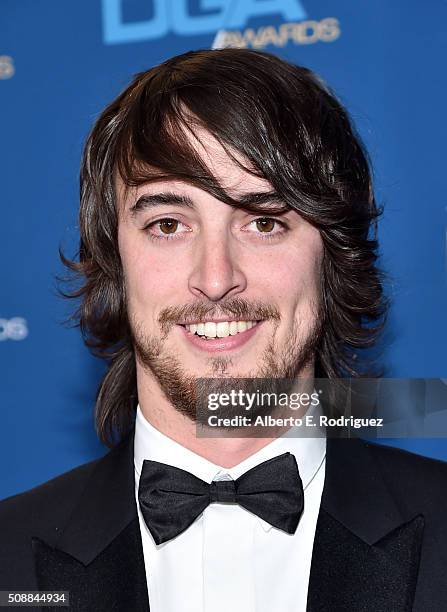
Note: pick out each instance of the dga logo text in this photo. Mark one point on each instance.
(175, 16)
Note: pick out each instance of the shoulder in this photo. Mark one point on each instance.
(46, 511)
(400, 463)
(40, 512)
(53, 502)
(394, 463)
(415, 482)
(411, 473)
(53, 498)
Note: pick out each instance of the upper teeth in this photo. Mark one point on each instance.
(221, 329)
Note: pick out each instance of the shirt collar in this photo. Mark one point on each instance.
(150, 443)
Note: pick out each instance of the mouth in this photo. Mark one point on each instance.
(219, 329)
(220, 335)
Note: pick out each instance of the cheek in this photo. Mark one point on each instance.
(150, 279)
(291, 275)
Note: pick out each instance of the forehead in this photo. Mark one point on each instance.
(228, 167)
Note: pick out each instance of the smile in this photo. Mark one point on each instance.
(222, 329)
(218, 336)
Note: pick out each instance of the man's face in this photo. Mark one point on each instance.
(214, 290)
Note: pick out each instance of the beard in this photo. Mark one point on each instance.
(275, 372)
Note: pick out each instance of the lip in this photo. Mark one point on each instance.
(217, 345)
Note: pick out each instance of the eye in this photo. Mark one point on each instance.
(269, 226)
(166, 228)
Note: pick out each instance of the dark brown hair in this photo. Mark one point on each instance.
(291, 130)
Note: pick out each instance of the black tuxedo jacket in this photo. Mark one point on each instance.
(380, 544)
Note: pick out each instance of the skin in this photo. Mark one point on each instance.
(209, 254)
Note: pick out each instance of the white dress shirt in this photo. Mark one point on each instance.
(230, 559)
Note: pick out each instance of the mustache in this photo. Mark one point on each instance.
(234, 307)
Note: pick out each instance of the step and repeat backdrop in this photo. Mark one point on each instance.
(62, 61)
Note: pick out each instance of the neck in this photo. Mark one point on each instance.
(224, 451)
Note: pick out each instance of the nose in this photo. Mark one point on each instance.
(215, 274)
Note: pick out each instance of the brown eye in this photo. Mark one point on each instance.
(168, 226)
(265, 225)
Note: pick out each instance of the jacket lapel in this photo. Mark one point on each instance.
(366, 550)
(98, 555)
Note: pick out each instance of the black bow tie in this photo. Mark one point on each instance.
(171, 499)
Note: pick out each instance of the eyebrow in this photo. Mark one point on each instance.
(150, 200)
(265, 201)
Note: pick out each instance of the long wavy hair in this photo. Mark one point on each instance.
(287, 127)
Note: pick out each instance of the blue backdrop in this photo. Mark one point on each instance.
(61, 62)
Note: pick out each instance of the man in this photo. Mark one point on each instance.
(227, 221)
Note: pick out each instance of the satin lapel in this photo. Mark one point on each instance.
(98, 556)
(366, 552)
